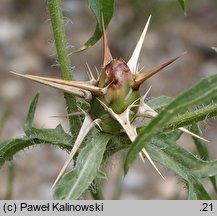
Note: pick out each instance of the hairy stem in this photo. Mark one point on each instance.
(63, 58)
(192, 117)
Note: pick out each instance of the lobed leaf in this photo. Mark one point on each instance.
(205, 90)
(179, 160)
(189, 168)
(10, 147)
(183, 163)
(74, 183)
(34, 136)
(105, 7)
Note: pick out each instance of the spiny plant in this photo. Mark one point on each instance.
(115, 102)
(114, 107)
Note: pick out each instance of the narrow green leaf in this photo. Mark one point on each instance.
(9, 148)
(183, 5)
(205, 90)
(54, 136)
(158, 103)
(196, 191)
(74, 183)
(35, 136)
(202, 148)
(184, 164)
(105, 7)
(31, 114)
(180, 161)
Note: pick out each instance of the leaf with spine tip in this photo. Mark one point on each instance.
(205, 90)
(105, 7)
(55, 137)
(76, 182)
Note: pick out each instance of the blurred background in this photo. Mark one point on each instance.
(27, 46)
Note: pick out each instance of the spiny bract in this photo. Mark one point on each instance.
(114, 96)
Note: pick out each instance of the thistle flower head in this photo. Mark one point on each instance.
(112, 97)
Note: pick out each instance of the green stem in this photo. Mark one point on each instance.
(192, 117)
(57, 21)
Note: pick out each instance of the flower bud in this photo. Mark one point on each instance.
(119, 79)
